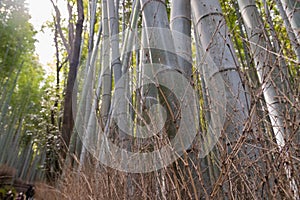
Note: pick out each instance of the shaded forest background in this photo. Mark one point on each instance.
(48, 121)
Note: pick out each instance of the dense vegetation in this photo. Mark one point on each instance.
(217, 82)
(22, 90)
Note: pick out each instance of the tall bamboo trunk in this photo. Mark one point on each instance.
(292, 9)
(114, 39)
(289, 29)
(106, 69)
(220, 70)
(180, 21)
(269, 71)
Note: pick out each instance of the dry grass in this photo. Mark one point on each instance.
(239, 178)
(250, 166)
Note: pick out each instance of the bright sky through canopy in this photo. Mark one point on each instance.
(40, 11)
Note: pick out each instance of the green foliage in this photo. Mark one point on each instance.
(20, 68)
(24, 100)
(16, 33)
(5, 190)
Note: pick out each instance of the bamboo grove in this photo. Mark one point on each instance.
(155, 99)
